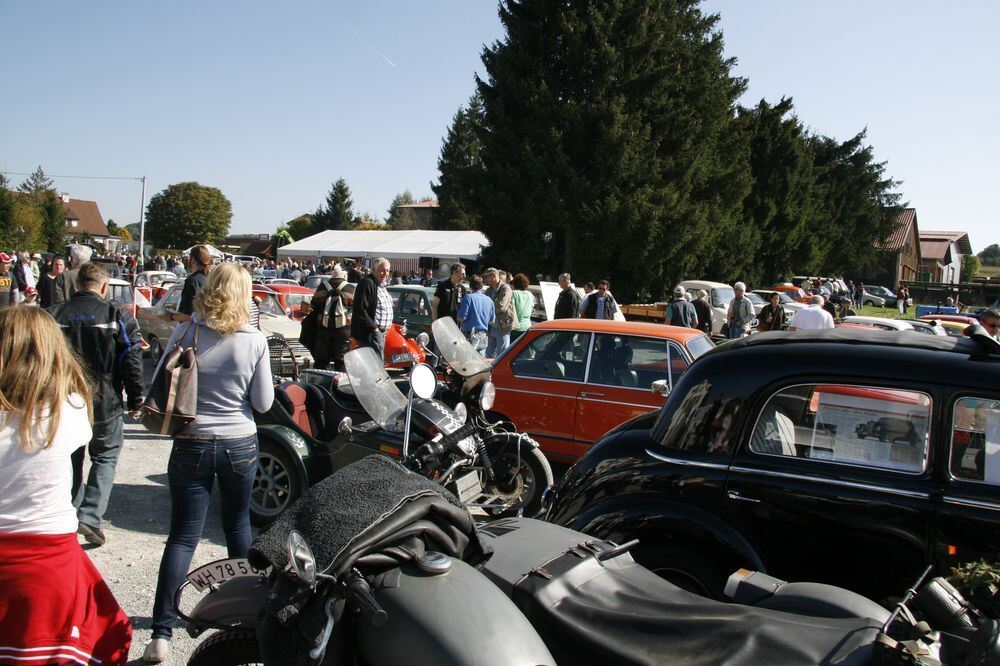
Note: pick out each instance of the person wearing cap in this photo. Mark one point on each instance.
(680, 311)
(503, 305)
(8, 285)
(326, 330)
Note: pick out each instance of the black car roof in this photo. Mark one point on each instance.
(904, 340)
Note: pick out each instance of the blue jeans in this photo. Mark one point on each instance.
(736, 332)
(91, 499)
(478, 340)
(497, 343)
(194, 465)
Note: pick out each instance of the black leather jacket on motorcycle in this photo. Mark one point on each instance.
(108, 340)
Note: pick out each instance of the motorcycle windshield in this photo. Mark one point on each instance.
(456, 350)
(374, 389)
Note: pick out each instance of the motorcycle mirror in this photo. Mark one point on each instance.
(423, 381)
(301, 558)
(423, 339)
(344, 427)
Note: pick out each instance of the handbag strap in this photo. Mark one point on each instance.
(180, 338)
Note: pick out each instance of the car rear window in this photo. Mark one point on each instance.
(975, 440)
(855, 425)
(699, 345)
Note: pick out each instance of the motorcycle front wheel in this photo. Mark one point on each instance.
(519, 480)
(234, 647)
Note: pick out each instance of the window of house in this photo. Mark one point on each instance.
(556, 355)
(855, 425)
(975, 440)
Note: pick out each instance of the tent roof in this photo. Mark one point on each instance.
(212, 250)
(399, 244)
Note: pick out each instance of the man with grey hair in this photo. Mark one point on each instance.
(813, 316)
(372, 313)
(568, 303)
(66, 282)
(740, 314)
(704, 311)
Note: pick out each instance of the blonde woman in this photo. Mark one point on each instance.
(234, 377)
(54, 606)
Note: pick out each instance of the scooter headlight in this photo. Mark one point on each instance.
(462, 412)
(487, 395)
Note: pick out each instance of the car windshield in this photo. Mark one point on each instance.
(700, 345)
(374, 389)
(295, 300)
(269, 305)
(313, 281)
(457, 351)
(721, 296)
(756, 299)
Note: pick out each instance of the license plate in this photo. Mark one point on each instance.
(402, 358)
(219, 571)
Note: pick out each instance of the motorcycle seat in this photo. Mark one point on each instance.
(304, 405)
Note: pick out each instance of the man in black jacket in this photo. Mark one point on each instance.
(108, 340)
(568, 303)
(372, 314)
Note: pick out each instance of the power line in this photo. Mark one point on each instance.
(55, 175)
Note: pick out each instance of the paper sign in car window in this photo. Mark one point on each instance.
(993, 446)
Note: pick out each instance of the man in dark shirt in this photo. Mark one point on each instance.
(47, 283)
(372, 313)
(107, 338)
(568, 303)
(353, 274)
(704, 311)
(681, 312)
(449, 293)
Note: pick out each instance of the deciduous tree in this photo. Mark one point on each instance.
(970, 267)
(185, 214)
(990, 256)
(401, 218)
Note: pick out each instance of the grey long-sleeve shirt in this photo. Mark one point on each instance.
(234, 375)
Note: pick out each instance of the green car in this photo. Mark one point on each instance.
(414, 304)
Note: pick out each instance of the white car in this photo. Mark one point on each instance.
(883, 323)
(788, 304)
(719, 295)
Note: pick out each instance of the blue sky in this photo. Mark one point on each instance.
(271, 102)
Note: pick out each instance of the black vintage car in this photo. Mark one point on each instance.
(756, 461)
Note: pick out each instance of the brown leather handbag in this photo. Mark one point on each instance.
(172, 402)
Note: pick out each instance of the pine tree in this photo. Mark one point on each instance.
(781, 203)
(607, 144)
(338, 213)
(460, 166)
(36, 183)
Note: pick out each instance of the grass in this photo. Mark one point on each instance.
(989, 271)
(886, 312)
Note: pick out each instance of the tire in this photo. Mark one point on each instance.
(155, 349)
(691, 569)
(234, 647)
(511, 483)
(276, 484)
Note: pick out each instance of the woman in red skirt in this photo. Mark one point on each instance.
(54, 606)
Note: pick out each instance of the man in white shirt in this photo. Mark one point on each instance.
(811, 317)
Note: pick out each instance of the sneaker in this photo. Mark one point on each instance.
(94, 535)
(157, 651)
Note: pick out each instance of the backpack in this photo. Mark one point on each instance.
(336, 306)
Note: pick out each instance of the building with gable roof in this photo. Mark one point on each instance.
(941, 255)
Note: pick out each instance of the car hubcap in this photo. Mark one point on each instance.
(272, 486)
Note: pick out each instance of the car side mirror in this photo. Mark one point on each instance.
(661, 386)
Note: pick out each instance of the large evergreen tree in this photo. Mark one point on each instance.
(460, 165)
(338, 212)
(858, 208)
(608, 146)
(781, 203)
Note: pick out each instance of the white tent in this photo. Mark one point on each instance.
(389, 244)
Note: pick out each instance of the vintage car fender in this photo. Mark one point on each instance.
(648, 520)
(292, 442)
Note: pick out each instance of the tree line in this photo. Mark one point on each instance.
(606, 139)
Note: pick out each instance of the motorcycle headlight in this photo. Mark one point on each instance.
(462, 412)
(487, 395)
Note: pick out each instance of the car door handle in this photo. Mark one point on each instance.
(734, 495)
(590, 394)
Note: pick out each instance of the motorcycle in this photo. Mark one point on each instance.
(387, 589)
(312, 431)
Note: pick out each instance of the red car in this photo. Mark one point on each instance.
(294, 298)
(567, 382)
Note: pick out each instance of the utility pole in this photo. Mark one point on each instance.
(142, 225)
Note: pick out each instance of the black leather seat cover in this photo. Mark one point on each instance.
(617, 612)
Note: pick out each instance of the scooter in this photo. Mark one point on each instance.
(311, 432)
(400, 592)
